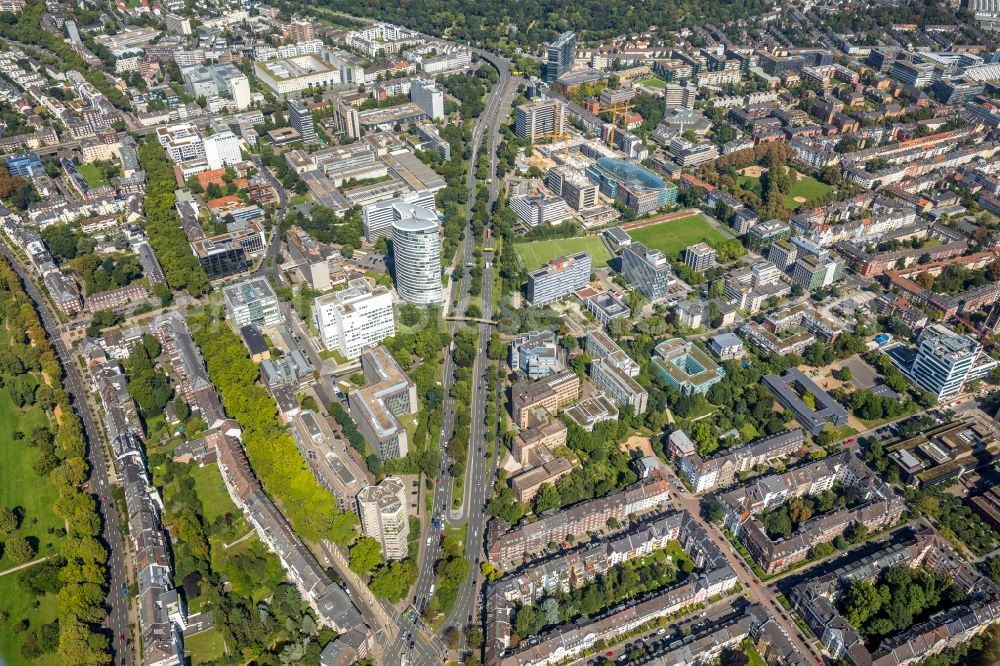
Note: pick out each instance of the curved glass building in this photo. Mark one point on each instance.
(638, 188)
(416, 253)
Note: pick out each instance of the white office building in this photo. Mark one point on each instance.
(416, 253)
(376, 218)
(222, 149)
(425, 94)
(540, 209)
(355, 318)
(946, 361)
(239, 89)
(252, 302)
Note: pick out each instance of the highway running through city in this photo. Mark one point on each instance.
(495, 111)
(482, 469)
(117, 600)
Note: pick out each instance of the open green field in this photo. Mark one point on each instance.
(806, 189)
(93, 175)
(212, 492)
(18, 605)
(803, 191)
(672, 237)
(20, 488)
(654, 82)
(205, 647)
(535, 254)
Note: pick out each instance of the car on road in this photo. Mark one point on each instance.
(756, 582)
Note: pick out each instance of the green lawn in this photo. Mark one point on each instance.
(535, 254)
(20, 488)
(654, 82)
(205, 647)
(673, 236)
(18, 605)
(93, 175)
(752, 655)
(807, 188)
(212, 492)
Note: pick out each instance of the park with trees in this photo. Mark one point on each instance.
(51, 612)
(310, 509)
(163, 225)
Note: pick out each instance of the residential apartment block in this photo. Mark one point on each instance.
(507, 545)
(816, 600)
(877, 506)
(583, 565)
(535, 401)
(721, 469)
(389, 394)
(382, 509)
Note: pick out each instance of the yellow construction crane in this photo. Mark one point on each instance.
(556, 133)
(615, 111)
(555, 136)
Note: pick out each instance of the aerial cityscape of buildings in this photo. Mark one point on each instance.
(409, 335)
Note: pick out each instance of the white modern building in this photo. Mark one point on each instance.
(300, 117)
(416, 253)
(946, 361)
(425, 94)
(376, 218)
(222, 149)
(355, 318)
(252, 302)
(291, 75)
(540, 209)
(382, 509)
(181, 142)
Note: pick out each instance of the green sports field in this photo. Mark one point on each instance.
(672, 237)
(803, 191)
(807, 188)
(535, 254)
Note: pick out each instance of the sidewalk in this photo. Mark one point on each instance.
(24, 566)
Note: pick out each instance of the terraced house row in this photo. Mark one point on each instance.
(713, 576)
(816, 601)
(878, 506)
(506, 545)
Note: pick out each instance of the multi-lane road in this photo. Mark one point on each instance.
(116, 602)
(480, 469)
(482, 462)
